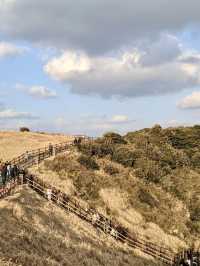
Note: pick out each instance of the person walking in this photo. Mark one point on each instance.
(8, 174)
(50, 149)
(4, 174)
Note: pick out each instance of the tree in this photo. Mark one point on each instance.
(24, 129)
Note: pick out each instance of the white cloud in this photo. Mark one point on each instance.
(67, 64)
(136, 72)
(8, 49)
(12, 114)
(95, 124)
(190, 102)
(120, 119)
(40, 92)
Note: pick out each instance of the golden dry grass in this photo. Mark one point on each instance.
(35, 232)
(116, 200)
(13, 144)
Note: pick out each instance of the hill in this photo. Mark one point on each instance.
(146, 180)
(13, 143)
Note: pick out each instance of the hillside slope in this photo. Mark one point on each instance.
(13, 144)
(145, 180)
(34, 232)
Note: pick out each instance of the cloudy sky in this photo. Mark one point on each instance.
(90, 66)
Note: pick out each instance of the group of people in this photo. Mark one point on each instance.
(8, 172)
(191, 258)
(89, 214)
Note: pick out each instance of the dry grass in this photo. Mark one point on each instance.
(118, 198)
(13, 144)
(34, 232)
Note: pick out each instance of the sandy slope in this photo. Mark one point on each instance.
(13, 144)
(34, 232)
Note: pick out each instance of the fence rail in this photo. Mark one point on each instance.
(106, 225)
(103, 223)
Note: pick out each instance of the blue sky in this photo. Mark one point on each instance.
(76, 77)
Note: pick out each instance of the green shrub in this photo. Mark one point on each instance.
(111, 170)
(113, 138)
(99, 149)
(88, 162)
(146, 197)
(195, 213)
(148, 170)
(87, 184)
(196, 159)
(124, 156)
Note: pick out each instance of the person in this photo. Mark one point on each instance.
(49, 192)
(15, 171)
(50, 149)
(79, 141)
(8, 172)
(26, 156)
(4, 174)
(95, 218)
(1, 166)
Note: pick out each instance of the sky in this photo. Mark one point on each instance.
(93, 66)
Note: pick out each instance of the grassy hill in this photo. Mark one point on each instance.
(13, 143)
(148, 181)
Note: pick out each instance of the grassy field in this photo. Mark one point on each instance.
(13, 144)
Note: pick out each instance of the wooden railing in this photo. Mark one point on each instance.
(99, 221)
(92, 216)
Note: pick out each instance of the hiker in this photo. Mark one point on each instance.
(75, 141)
(8, 174)
(15, 171)
(114, 233)
(49, 192)
(50, 149)
(79, 140)
(1, 166)
(95, 218)
(4, 174)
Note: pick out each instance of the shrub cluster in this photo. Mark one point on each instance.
(88, 162)
(111, 170)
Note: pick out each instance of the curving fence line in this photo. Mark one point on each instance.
(96, 219)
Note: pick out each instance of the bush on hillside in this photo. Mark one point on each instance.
(111, 170)
(87, 185)
(195, 214)
(96, 149)
(196, 159)
(148, 170)
(24, 129)
(88, 162)
(113, 138)
(124, 156)
(146, 197)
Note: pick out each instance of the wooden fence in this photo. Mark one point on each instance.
(98, 220)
